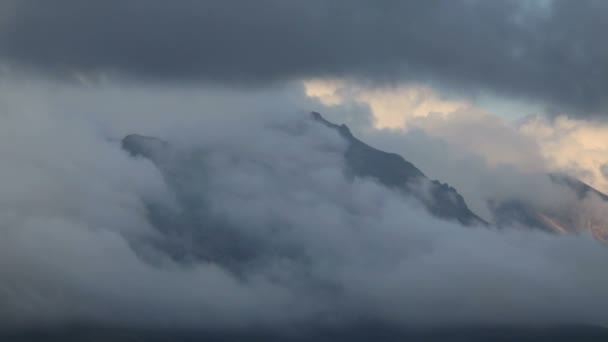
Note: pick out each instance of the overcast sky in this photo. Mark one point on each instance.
(488, 96)
(547, 50)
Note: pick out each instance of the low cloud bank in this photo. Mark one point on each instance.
(268, 232)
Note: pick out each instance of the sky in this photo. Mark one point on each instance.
(488, 96)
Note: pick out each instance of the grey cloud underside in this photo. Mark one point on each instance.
(551, 51)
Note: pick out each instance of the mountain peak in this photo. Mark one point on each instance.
(343, 129)
(393, 171)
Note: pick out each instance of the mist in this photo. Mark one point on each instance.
(261, 226)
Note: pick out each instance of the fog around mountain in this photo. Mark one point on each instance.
(322, 170)
(266, 230)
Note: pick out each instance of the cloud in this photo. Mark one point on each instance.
(577, 146)
(488, 159)
(457, 121)
(547, 51)
(78, 244)
(391, 107)
(536, 143)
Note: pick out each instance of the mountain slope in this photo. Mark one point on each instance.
(440, 199)
(362, 161)
(444, 201)
(393, 171)
(584, 214)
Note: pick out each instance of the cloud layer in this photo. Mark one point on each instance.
(78, 244)
(548, 51)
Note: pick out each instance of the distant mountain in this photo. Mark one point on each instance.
(393, 171)
(218, 243)
(444, 201)
(362, 161)
(562, 219)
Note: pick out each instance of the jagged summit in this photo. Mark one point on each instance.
(343, 129)
(444, 201)
(393, 171)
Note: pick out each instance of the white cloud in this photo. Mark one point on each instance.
(578, 147)
(535, 144)
(391, 107)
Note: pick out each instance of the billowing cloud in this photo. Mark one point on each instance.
(391, 107)
(577, 146)
(489, 160)
(535, 143)
(548, 51)
(457, 121)
(78, 243)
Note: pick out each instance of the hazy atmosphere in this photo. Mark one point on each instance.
(161, 169)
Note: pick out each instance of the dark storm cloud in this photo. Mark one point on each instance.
(551, 51)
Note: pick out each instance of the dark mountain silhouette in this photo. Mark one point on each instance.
(393, 171)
